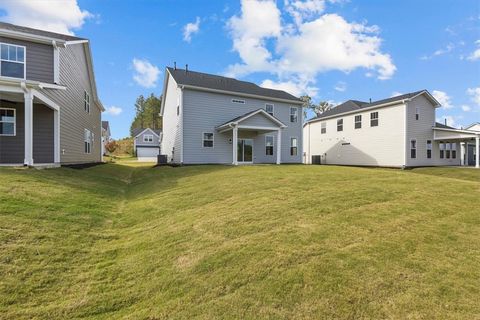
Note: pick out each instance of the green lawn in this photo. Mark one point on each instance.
(277, 242)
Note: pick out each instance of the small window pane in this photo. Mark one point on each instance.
(12, 69)
(7, 128)
(20, 54)
(12, 53)
(4, 52)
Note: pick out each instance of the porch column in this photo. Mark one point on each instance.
(235, 145)
(477, 156)
(279, 146)
(462, 153)
(56, 136)
(28, 153)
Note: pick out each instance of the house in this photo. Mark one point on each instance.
(394, 132)
(214, 119)
(106, 136)
(50, 113)
(146, 144)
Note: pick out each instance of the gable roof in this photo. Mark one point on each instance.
(443, 126)
(138, 131)
(37, 32)
(195, 79)
(247, 115)
(472, 125)
(354, 105)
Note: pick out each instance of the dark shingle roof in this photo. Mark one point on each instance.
(137, 131)
(13, 27)
(105, 125)
(211, 81)
(443, 126)
(352, 105)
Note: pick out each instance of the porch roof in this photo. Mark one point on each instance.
(448, 133)
(276, 123)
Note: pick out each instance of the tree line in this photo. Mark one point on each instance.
(147, 113)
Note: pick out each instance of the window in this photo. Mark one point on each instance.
(340, 125)
(148, 138)
(88, 139)
(269, 145)
(208, 140)
(12, 61)
(86, 101)
(293, 114)
(442, 150)
(238, 101)
(454, 151)
(178, 110)
(269, 108)
(413, 149)
(323, 127)
(7, 122)
(447, 150)
(417, 113)
(374, 119)
(429, 149)
(358, 122)
(293, 147)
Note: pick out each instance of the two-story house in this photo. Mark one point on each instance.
(396, 132)
(50, 113)
(214, 119)
(146, 143)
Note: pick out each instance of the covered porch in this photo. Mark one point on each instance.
(244, 131)
(29, 127)
(469, 143)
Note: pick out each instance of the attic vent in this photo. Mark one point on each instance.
(238, 101)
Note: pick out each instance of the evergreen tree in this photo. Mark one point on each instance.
(147, 113)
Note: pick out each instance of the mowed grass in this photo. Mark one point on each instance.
(256, 242)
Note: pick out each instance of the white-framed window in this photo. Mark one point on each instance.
(340, 125)
(293, 146)
(12, 61)
(238, 101)
(454, 150)
(442, 149)
(86, 101)
(447, 150)
(7, 122)
(323, 127)
(429, 149)
(417, 113)
(148, 138)
(358, 121)
(269, 145)
(178, 110)
(269, 108)
(373, 119)
(413, 148)
(88, 141)
(207, 139)
(293, 114)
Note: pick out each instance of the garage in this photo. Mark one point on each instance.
(147, 154)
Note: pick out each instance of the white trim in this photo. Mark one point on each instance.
(182, 149)
(87, 138)
(279, 146)
(339, 125)
(253, 149)
(28, 128)
(56, 136)
(411, 148)
(146, 130)
(355, 121)
(290, 148)
(45, 99)
(405, 136)
(227, 126)
(14, 122)
(427, 148)
(258, 128)
(12, 61)
(150, 136)
(377, 118)
(56, 62)
(213, 140)
(30, 37)
(290, 114)
(68, 43)
(273, 145)
(235, 145)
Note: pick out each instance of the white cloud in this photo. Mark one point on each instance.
(443, 98)
(449, 48)
(396, 94)
(474, 94)
(315, 43)
(451, 121)
(297, 88)
(113, 111)
(466, 108)
(62, 16)
(475, 54)
(341, 86)
(146, 74)
(191, 28)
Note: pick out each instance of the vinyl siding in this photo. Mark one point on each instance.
(73, 117)
(171, 124)
(204, 111)
(139, 140)
(382, 145)
(39, 59)
(421, 130)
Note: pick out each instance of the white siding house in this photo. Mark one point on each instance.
(395, 132)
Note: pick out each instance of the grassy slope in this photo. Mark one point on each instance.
(208, 242)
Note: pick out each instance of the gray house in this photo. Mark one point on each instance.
(214, 119)
(50, 113)
(146, 143)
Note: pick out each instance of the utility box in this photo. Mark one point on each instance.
(317, 159)
(162, 159)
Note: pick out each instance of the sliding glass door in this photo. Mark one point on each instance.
(245, 150)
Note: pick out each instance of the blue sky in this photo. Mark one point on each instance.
(333, 49)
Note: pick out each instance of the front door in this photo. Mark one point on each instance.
(245, 150)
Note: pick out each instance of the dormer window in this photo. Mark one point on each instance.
(12, 61)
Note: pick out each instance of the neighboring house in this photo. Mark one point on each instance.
(106, 136)
(395, 132)
(470, 147)
(50, 113)
(146, 143)
(213, 119)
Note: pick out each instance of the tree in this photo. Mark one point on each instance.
(318, 109)
(322, 107)
(307, 105)
(147, 113)
(111, 146)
